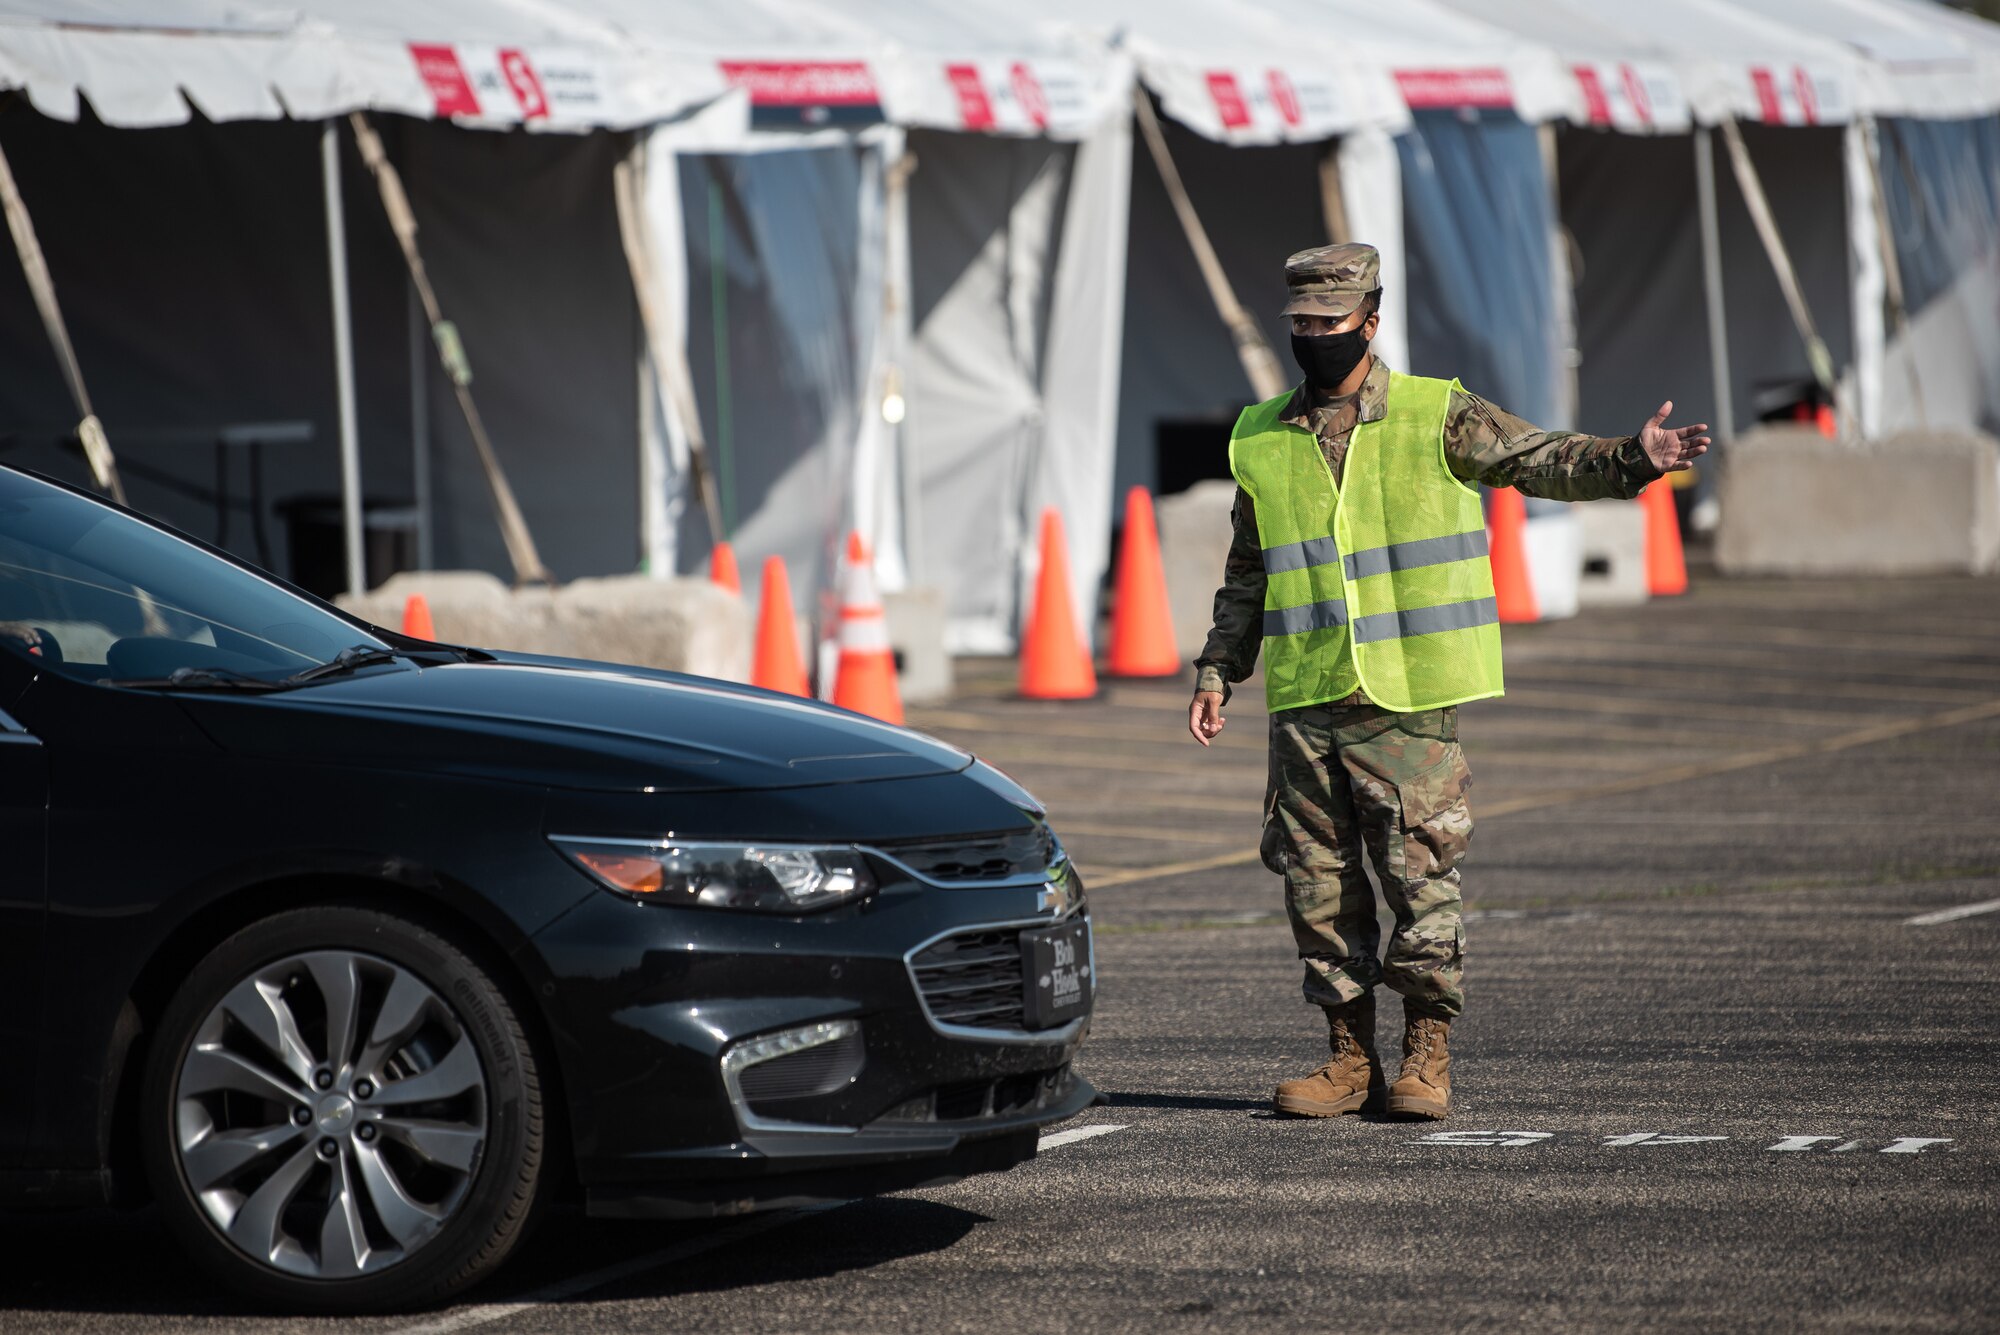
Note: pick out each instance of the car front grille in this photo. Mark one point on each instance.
(973, 978)
(970, 859)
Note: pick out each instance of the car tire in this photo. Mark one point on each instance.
(411, 1159)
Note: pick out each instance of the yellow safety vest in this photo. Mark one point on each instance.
(1380, 583)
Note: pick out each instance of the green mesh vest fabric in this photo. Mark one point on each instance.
(1379, 584)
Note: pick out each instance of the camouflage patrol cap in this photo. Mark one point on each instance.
(1331, 280)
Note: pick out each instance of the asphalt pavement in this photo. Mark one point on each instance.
(1730, 1059)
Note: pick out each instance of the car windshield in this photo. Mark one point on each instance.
(95, 593)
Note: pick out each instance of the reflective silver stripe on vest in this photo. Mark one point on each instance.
(1410, 555)
(1300, 555)
(1419, 621)
(1329, 615)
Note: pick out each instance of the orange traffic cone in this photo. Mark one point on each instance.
(1142, 621)
(1666, 566)
(865, 680)
(1054, 663)
(417, 618)
(776, 665)
(722, 568)
(1507, 543)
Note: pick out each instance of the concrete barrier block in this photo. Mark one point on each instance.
(916, 619)
(681, 625)
(1918, 502)
(1614, 554)
(469, 607)
(1194, 543)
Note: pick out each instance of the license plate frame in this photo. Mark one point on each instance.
(1050, 958)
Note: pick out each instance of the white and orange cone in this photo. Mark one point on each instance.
(865, 680)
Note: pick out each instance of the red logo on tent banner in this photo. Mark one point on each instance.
(525, 83)
(1768, 105)
(809, 83)
(1285, 97)
(1428, 89)
(1028, 92)
(451, 91)
(1808, 102)
(1229, 103)
(1635, 89)
(1595, 102)
(975, 109)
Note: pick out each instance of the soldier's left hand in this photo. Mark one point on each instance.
(1672, 448)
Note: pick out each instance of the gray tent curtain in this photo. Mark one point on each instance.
(1180, 370)
(191, 262)
(1941, 180)
(1476, 220)
(985, 228)
(784, 296)
(1628, 203)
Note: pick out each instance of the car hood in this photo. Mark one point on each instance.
(571, 724)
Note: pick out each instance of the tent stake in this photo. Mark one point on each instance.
(1260, 364)
(96, 448)
(528, 567)
(1711, 275)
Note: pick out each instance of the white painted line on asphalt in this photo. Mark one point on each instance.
(1511, 1138)
(1074, 1134)
(480, 1314)
(1801, 1142)
(1914, 1144)
(1953, 915)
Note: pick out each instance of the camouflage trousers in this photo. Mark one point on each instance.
(1352, 777)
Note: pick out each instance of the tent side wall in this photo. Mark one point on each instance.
(191, 263)
(1628, 201)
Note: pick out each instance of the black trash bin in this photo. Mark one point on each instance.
(314, 536)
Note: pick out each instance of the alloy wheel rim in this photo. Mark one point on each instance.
(330, 1114)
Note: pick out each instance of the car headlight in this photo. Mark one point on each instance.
(765, 878)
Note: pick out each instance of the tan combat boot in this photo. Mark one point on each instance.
(1423, 1089)
(1349, 1078)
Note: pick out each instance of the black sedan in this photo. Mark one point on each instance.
(352, 950)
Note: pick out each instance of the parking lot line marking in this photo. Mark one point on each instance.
(1741, 760)
(1076, 1133)
(480, 1314)
(1914, 1144)
(1953, 915)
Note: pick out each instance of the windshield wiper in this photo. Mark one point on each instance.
(347, 660)
(200, 679)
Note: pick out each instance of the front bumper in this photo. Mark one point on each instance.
(647, 999)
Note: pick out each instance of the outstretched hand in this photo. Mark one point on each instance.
(1672, 448)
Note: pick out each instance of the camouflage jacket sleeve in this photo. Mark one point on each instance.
(1486, 444)
(1238, 630)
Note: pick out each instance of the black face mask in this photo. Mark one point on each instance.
(1327, 359)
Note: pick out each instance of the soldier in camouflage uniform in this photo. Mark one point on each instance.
(1348, 777)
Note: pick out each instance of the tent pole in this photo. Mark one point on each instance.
(1766, 223)
(1711, 275)
(527, 562)
(420, 434)
(1260, 364)
(343, 361)
(1892, 265)
(1332, 203)
(96, 449)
